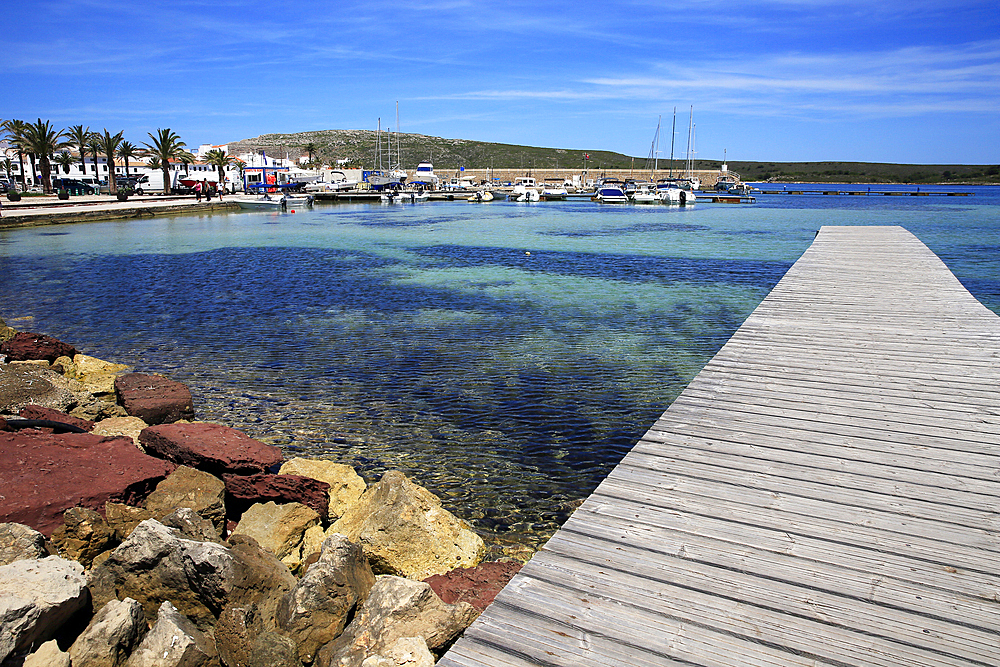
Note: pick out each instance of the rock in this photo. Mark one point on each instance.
(120, 426)
(190, 524)
(475, 585)
(235, 633)
(6, 332)
(246, 490)
(46, 474)
(95, 409)
(48, 414)
(124, 518)
(259, 580)
(154, 398)
(173, 641)
(96, 375)
(404, 652)
(48, 655)
(37, 597)
(83, 535)
(279, 529)
(25, 384)
(346, 485)
(273, 650)
(405, 531)
(213, 448)
(396, 608)
(316, 611)
(157, 563)
(187, 487)
(65, 366)
(25, 346)
(19, 542)
(111, 635)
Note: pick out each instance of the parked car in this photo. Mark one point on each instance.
(5, 186)
(73, 185)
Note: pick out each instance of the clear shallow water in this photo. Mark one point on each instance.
(506, 356)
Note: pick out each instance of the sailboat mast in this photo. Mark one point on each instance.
(378, 146)
(656, 146)
(687, 165)
(673, 134)
(399, 154)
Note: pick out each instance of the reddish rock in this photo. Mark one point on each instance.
(475, 585)
(242, 491)
(154, 398)
(48, 414)
(214, 448)
(25, 346)
(45, 474)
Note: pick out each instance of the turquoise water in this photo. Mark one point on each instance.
(504, 355)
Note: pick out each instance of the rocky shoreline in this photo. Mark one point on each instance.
(131, 534)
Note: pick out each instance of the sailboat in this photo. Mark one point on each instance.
(379, 178)
(689, 181)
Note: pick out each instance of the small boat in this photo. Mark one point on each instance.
(554, 189)
(522, 193)
(610, 191)
(264, 202)
(671, 194)
(298, 200)
(645, 193)
(405, 196)
(481, 196)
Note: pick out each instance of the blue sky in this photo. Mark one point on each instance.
(804, 80)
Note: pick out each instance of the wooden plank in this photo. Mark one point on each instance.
(823, 493)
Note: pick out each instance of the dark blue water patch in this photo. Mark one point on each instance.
(762, 274)
(53, 233)
(652, 227)
(746, 232)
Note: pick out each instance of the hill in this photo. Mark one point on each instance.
(358, 146)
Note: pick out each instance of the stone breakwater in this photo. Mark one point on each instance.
(132, 535)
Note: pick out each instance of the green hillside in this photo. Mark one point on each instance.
(358, 146)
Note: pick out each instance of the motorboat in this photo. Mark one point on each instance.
(610, 191)
(554, 189)
(404, 196)
(425, 173)
(522, 193)
(481, 196)
(298, 201)
(263, 202)
(670, 193)
(645, 193)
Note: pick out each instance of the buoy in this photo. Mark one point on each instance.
(293, 210)
(527, 253)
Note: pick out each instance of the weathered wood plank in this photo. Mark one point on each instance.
(823, 493)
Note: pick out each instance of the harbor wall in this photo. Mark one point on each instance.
(708, 178)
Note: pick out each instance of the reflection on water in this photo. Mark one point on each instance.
(504, 356)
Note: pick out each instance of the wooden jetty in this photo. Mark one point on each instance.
(824, 493)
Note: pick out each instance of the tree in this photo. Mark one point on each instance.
(310, 148)
(64, 160)
(165, 146)
(7, 166)
(187, 159)
(109, 144)
(126, 151)
(94, 144)
(43, 140)
(218, 158)
(79, 136)
(153, 163)
(15, 132)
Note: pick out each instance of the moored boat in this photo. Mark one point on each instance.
(264, 202)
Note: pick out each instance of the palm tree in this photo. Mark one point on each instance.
(15, 132)
(310, 148)
(64, 160)
(219, 159)
(79, 136)
(94, 144)
(109, 144)
(165, 146)
(187, 159)
(153, 163)
(43, 140)
(7, 166)
(126, 151)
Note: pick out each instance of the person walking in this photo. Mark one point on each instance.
(206, 189)
(197, 191)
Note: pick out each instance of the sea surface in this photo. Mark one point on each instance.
(505, 356)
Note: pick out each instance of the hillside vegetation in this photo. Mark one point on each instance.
(358, 146)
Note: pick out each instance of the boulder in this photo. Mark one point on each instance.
(111, 636)
(475, 585)
(273, 650)
(173, 641)
(190, 524)
(279, 529)
(213, 448)
(259, 580)
(48, 414)
(26, 384)
(24, 346)
(246, 490)
(46, 474)
(120, 426)
(316, 611)
(187, 487)
(396, 608)
(6, 332)
(124, 518)
(83, 535)
(96, 409)
(96, 375)
(154, 398)
(235, 633)
(405, 531)
(346, 485)
(37, 597)
(157, 563)
(404, 652)
(48, 655)
(19, 542)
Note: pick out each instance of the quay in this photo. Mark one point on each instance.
(867, 193)
(823, 493)
(52, 211)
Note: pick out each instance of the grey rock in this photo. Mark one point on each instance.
(173, 641)
(111, 636)
(273, 650)
(404, 652)
(83, 535)
(31, 384)
(19, 542)
(316, 611)
(190, 524)
(157, 563)
(258, 579)
(396, 608)
(188, 487)
(48, 655)
(36, 598)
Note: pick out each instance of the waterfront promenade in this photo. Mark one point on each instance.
(50, 210)
(824, 492)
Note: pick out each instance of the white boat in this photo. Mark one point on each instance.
(264, 202)
(425, 174)
(610, 191)
(554, 189)
(481, 196)
(298, 201)
(646, 193)
(405, 197)
(670, 193)
(522, 193)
